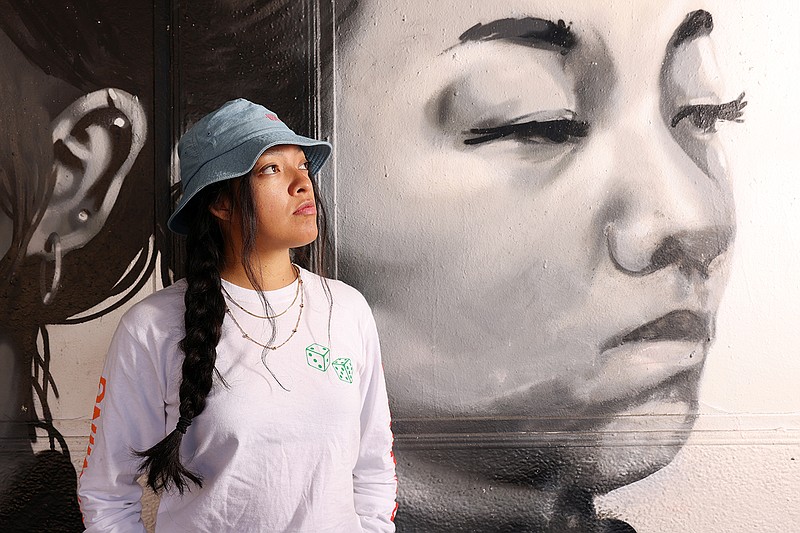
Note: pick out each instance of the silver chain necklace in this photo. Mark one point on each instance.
(240, 306)
(294, 330)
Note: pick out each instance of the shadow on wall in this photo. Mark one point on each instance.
(77, 190)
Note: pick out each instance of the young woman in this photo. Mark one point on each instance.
(250, 394)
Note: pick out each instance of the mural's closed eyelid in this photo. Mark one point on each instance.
(705, 116)
(556, 131)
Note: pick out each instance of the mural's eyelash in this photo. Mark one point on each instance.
(557, 131)
(705, 116)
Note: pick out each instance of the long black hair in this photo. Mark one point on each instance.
(205, 312)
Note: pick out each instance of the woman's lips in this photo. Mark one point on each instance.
(306, 208)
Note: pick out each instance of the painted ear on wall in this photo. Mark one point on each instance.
(95, 142)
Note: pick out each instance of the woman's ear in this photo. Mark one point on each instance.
(221, 208)
(95, 142)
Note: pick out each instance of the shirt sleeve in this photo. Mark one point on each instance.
(128, 415)
(374, 479)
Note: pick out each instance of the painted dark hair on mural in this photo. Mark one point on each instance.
(56, 53)
(87, 44)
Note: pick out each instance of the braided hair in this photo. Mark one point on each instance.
(205, 311)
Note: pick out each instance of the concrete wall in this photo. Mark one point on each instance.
(545, 307)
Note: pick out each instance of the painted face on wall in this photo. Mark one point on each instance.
(533, 197)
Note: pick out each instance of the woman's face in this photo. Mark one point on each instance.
(562, 277)
(283, 199)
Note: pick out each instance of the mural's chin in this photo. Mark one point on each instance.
(595, 450)
(632, 445)
(597, 462)
(526, 480)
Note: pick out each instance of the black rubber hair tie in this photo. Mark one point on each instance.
(183, 424)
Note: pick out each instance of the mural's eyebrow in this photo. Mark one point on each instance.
(696, 24)
(529, 31)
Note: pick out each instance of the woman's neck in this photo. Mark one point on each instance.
(272, 271)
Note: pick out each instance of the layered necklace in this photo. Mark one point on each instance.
(245, 335)
(296, 293)
(267, 348)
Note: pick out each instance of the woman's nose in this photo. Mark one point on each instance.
(301, 182)
(668, 211)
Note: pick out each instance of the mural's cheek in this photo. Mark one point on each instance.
(498, 321)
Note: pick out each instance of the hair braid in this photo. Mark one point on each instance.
(205, 312)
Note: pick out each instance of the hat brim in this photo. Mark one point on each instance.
(237, 162)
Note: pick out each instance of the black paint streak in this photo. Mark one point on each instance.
(696, 24)
(705, 116)
(557, 131)
(534, 32)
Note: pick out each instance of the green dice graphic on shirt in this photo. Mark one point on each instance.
(344, 369)
(318, 356)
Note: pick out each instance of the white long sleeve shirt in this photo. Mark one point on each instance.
(317, 458)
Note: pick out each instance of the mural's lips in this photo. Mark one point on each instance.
(653, 368)
(681, 325)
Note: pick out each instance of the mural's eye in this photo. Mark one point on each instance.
(556, 131)
(705, 116)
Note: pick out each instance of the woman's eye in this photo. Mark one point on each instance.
(705, 116)
(556, 131)
(269, 169)
(304, 165)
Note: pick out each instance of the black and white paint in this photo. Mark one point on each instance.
(76, 185)
(535, 197)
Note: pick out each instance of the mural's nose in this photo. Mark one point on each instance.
(669, 211)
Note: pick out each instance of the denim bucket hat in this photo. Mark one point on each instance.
(226, 144)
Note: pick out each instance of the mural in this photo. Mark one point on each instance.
(535, 197)
(76, 184)
(559, 194)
